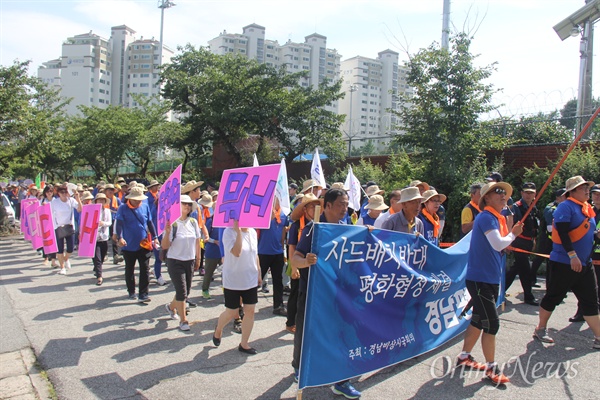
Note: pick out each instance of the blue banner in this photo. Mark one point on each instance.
(376, 299)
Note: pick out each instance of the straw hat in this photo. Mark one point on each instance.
(191, 185)
(100, 196)
(86, 196)
(136, 193)
(206, 200)
(338, 185)
(307, 199)
(187, 199)
(376, 202)
(577, 181)
(373, 190)
(417, 183)
(33, 187)
(428, 194)
(409, 194)
(490, 185)
(309, 184)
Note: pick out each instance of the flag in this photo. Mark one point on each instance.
(281, 190)
(316, 171)
(353, 186)
(38, 180)
(255, 163)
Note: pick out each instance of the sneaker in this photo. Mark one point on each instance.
(205, 294)
(346, 389)
(161, 281)
(62, 271)
(596, 344)
(287, 290)
(296, 373)
(116, 260)
(191, 304)
(496, 376)
(184, 326)
(172, 313)
(470, 362)
(132, 296)
(237, 325)
(68, 264)
(280, 311)
(202, 272)
(144, 298)
(542, 335)
(265, 288)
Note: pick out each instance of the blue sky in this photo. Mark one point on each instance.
(536, 70)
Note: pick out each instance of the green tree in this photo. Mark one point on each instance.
(568, 117)
(539, 129)
(224, 99)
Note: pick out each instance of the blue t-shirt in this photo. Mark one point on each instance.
(132, 225)
(363, 208)
(485, 263)
(212, 250)
(269, 241)
(151, 201)
(568, 211)
(428, 228)
(368, 220)
(293, 234)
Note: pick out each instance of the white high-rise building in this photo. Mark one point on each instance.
(94, 71)
(372, 89)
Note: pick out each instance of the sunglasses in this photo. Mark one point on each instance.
(499, 191)
(63, 191)
(187, 204)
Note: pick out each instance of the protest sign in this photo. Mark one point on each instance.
(46, 226)
(246, 194)
(169, 207)
(88, 229)
(35, 235)
(376, 299)
(24, 220)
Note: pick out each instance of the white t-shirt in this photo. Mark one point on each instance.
(240, 273)
(184, 246)
(63, 212)
(104, 225)
(384, 216)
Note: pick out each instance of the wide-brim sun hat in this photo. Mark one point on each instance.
(489, 186)
(417, 183)
(338, 185)
(136, 193)
(187, 199)
(576, 181)
(409, 194)
(206, 200)
(428, 194)
(307, 199)
(191, 185)
(376, 202)
(100, 196)
(153, 183)
(86, 196)
(309, 184)
(373, 190)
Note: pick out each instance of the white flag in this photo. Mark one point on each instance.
(316, 171)
(255, 163)
(353, 186)
(281, 189)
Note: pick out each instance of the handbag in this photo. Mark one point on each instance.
(64, 231)
(145, 243)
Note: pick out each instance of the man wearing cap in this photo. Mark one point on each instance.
(152, 202)
(545, 242)
(375, 206)
(406, 220)
(470, 211)
(524, 241)
(395, 207)
(134, 225)
(573, 235)
(292, 191)
(112, 203)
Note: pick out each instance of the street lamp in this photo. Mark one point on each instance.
(352, 88)
(162, 4)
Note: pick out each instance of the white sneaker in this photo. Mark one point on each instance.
(68, 264)
(62, 272)
(161, 281)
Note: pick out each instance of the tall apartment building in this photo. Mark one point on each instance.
(94, 71)
(372, 89)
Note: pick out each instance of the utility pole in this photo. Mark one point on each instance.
(446, 25)
(162, 4)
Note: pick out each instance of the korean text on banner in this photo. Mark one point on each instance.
(246, 194)
(33, 227)
(88, 229)
(376, 299)
(169, 207)
(24, 220)
(46, 225)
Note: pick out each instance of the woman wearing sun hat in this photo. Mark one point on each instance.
(489, 237)
(375, 206)
(102, 238)
(432, 200)
(573, 232)
(63, 211)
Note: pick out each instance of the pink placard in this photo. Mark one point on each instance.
(169, 207)
(88, 229)
(46, 226)
(33, 227)
(24, 220)
(246, 194)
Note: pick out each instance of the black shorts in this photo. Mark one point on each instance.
(485, 314)
(232, 297)
(583, 285)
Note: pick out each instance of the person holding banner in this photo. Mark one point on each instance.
(489, 237)
(573, 235)
(32, 192)
(406, 220)
(103, 236)
(64, 220)
(136, 236)
(113, 203)
(47, 196)
(395, 207)
(152, 202)
(431, 203)
(335, 210)
(241, 279)
(182, 240)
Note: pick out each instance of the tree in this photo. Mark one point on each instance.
(568, 116)
(224, 99)
(30, 114)
(441, 121)
(539, 129)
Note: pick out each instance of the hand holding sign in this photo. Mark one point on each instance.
(169, 208)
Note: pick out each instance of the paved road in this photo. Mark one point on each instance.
(94, 343)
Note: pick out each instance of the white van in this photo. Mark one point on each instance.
(10, 212)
